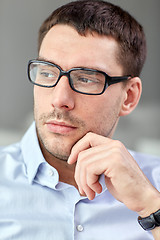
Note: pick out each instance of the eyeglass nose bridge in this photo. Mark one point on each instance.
(64, 73)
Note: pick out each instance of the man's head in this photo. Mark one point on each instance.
(105, 19)
(94, 35)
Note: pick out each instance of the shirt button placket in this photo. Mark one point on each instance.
(80, 228)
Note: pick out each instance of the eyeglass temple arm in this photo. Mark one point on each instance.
(113, 80)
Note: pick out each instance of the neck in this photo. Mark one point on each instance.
(65, 171)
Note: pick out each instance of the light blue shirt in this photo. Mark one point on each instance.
(34, 205)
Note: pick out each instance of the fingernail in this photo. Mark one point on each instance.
(68, 160)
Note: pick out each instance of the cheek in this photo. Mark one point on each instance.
(92, 112)
(41, 100)
(101, 115)
(37, 102)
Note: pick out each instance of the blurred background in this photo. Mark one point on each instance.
(19, 24)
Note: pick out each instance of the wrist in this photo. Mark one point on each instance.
(150, 205)
(149, 216)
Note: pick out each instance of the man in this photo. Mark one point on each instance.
(67, 178)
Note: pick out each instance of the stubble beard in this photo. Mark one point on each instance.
(56, 147)
(60, 150)
(54, 152)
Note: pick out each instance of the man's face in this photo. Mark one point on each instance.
(63, 116)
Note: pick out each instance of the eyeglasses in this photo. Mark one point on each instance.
(82, 80)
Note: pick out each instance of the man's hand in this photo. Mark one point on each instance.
(96, 155)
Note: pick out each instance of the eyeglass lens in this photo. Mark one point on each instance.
(85, 81)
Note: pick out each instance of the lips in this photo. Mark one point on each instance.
(60, 127)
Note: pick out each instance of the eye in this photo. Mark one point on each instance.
(47, 74)
(85, 80)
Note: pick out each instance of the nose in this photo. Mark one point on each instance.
(63, 95)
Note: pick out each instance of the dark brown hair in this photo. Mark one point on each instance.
(105, 19)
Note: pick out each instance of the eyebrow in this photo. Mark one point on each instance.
(47, 60)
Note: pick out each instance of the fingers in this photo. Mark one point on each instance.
(87, 153)
(90, 165)
(88, 141)
(87, 175)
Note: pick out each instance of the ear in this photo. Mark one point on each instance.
(132, 94)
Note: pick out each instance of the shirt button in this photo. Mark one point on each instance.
(50, 172)
(80, 228)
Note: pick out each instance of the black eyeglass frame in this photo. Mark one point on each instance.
(108, 79)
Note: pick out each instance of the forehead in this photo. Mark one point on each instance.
(64, 46)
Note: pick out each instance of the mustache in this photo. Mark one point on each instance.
(61, 116)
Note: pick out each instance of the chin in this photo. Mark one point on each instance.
(60, 156)
(60, 150)
(57, 145)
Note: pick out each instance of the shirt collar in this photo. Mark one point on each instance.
(31, 152)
